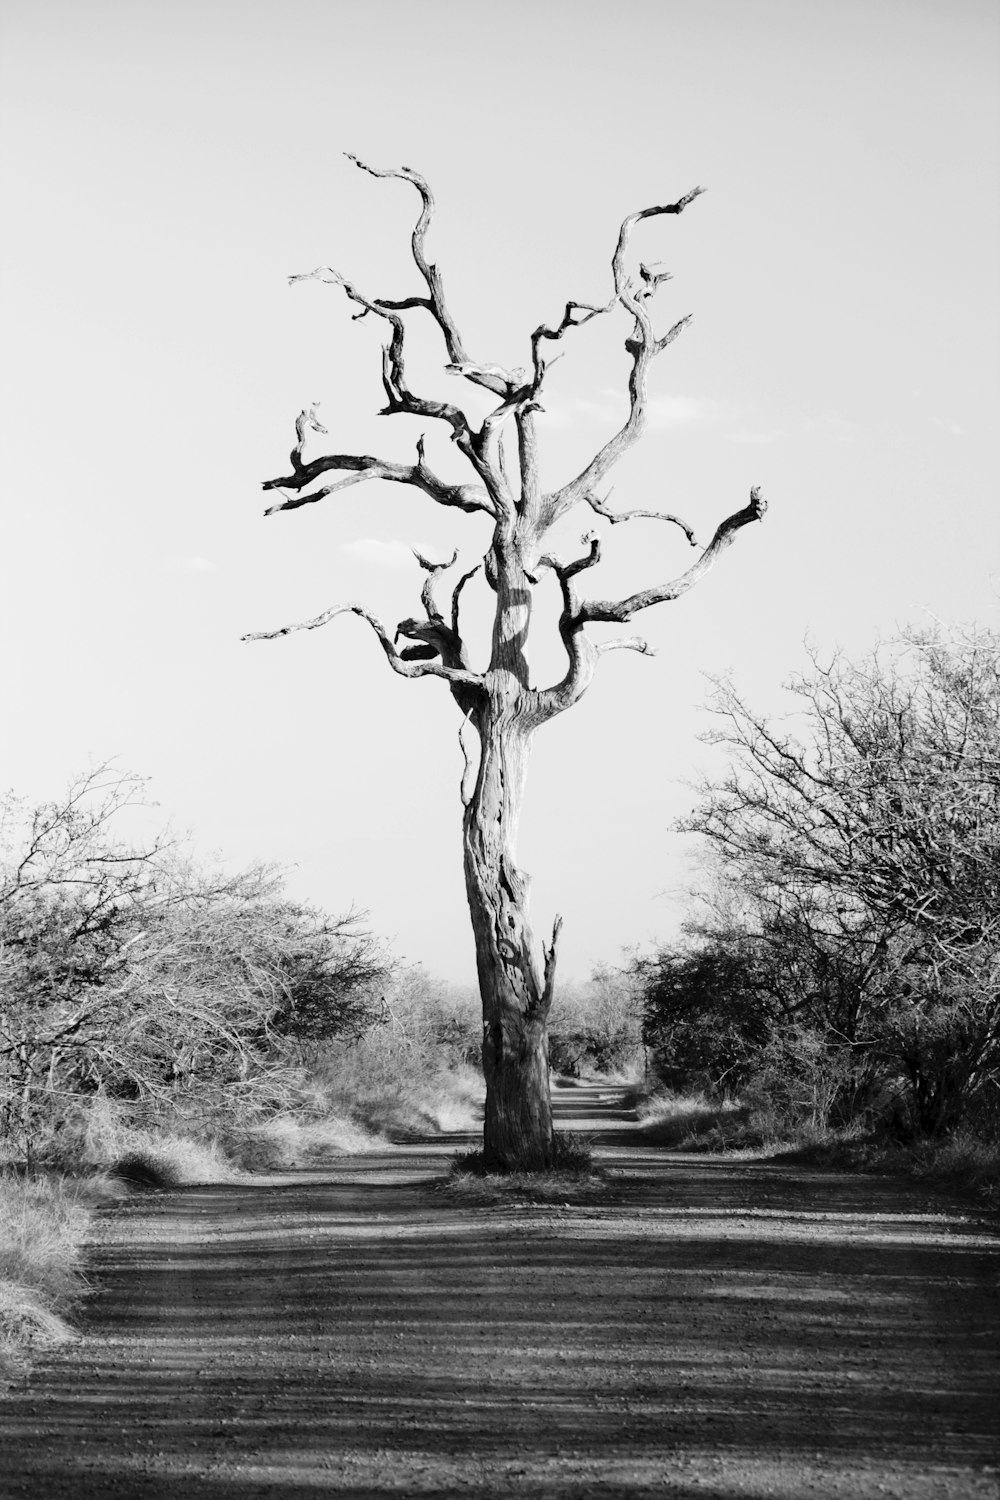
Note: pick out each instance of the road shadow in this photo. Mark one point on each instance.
(715, 1328)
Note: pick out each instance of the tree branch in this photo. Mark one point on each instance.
(457, 676)
(432, 570)
(306, 421)
(400, 397)
(490, 377)
(569, 320)
(626, 643)
(643, 345)
(602, 508)
(433, 636)
(467, 497)
(457, 593)
(618, 612)
(580, 650)
(549, 972)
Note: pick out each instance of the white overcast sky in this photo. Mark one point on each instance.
(166, 166)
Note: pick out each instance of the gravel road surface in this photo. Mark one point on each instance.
(708, 1327)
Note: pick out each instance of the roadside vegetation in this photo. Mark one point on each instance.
(572, 1177)
(163, 1022)
(841, 990)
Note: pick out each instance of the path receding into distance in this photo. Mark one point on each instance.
(710, 1327)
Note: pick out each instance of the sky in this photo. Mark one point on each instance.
(167, 166)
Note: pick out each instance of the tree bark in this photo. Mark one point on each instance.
(516, 989)
(516, 993)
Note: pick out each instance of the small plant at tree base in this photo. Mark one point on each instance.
(571, 1156)
(500, 703)
(572, 1178)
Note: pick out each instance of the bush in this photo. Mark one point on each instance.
(410, 1073)
(131, 975)
(42, 1226)
(860, 850)
(597, 1026)
(707, 1016)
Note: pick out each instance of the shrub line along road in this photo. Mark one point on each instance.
(707, 1327)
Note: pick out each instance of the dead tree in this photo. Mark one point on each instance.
(500, 702)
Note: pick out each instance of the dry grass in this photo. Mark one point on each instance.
(572, 1177)
(694, 1122)
(399, 1089)
(476, 1190)
(43, 1222)
(288, 1141)
(962, 1163)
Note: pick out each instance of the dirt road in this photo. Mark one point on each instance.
(710, 1328)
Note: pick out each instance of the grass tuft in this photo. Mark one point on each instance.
(572, 1155)
(42, 1225)
(571, 1177)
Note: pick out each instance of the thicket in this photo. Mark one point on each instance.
(596, 1026)
(136, 986)
(162, 1022)
(847, 972)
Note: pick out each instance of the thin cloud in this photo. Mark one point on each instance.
(610, 408)
(667, 412)
(833, 426)
(378, 554)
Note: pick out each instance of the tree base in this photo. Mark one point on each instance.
(571, 1156)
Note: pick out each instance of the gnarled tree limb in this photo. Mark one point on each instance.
(467, 497)
(492, 378)
(626, 643)
(602, 508)
(622, 610)
(642, 345)
(400, 397)
(457, 594)
(432, 569)
(457, 676)
(549, 972)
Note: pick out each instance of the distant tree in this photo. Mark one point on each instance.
(68, 894)
(706, 1016)
(125, 968)
(599, 1024)
(870, 841)
(500, 701)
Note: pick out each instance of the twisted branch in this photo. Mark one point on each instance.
(400, 397)
(362, 466)
(602, 508)
(457, 676)
(620, 611)
(457, 593)
(432, 570)
(643, 345)
(490, 377)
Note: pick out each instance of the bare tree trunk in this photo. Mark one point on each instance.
(516, 994)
